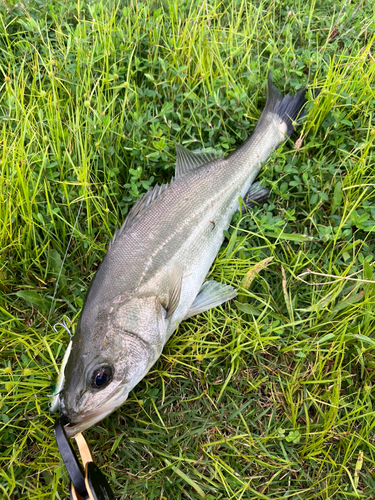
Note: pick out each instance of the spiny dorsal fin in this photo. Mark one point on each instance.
(175, 284)
(139, 208)
(189, 160)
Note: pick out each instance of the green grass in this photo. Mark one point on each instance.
(270, 396)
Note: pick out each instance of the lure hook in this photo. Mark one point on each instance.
(64, 324)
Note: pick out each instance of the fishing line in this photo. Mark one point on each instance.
(60, 271)
(54, 404)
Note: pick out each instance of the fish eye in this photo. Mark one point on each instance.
(101, 376)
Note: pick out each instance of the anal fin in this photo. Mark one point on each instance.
(212, 294)
(257, 195)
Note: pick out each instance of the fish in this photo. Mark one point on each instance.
(153, 275)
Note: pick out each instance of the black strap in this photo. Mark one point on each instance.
(96, 483)
(69, 458)
(88, 485)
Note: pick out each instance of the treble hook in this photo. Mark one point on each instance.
(64, 325)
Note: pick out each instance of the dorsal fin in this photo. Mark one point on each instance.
(139, 208)
(189, 160)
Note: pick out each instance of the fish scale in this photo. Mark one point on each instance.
(153, 275)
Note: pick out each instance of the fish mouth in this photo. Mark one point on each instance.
(73, 428)
(83, 421)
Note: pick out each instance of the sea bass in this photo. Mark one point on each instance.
(153, 275)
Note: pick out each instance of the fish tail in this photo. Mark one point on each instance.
(289, 108)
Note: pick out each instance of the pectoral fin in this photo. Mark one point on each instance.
(175, 283)
(212, 294)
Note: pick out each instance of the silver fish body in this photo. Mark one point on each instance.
(153, 275)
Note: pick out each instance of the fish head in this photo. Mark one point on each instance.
(109, 356)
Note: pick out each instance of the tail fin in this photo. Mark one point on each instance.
(287, 108)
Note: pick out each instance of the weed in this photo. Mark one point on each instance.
(269, 396)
